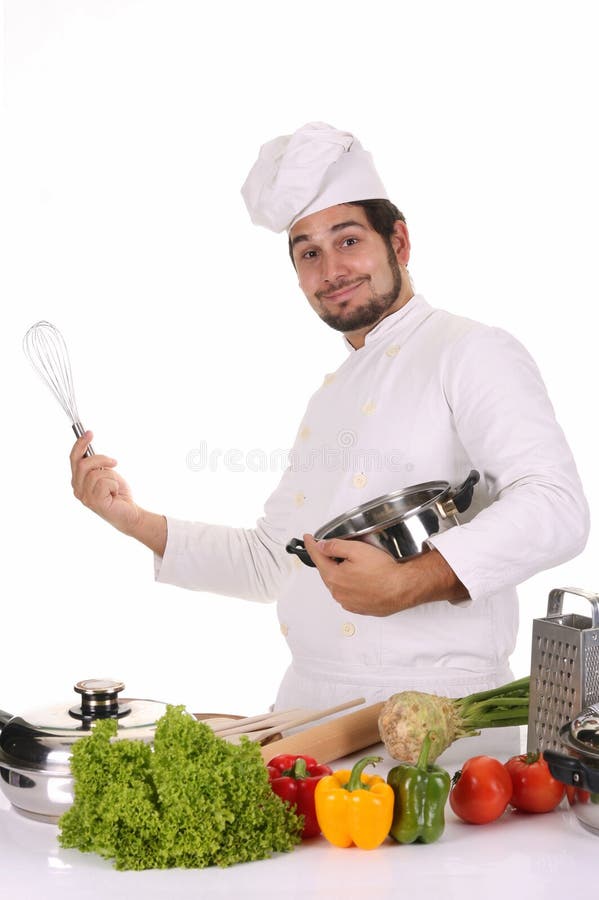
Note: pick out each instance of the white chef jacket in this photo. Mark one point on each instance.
(428, 397)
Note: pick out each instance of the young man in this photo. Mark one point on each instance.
(434, 396)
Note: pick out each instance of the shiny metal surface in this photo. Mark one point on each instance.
(47, 352)
(584, 729)
(581, 736)
(38, 795)
(35, 749)
(385, 510)
(556, 600)
(586, 809)
(405, 538)
(99, 699)
(564, 668)
(400, 522)
(580, 773)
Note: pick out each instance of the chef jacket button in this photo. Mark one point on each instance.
(305, 433)
(368, 408)
(284, 629)
(359, 480)
(299, 499)
(393, 350)
(329, 378)
(348, 629)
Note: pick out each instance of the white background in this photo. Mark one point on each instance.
(130, 127)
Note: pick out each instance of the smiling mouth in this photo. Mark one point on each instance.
(342, 293)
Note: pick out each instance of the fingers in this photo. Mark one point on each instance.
(336, 548)
(88, 470)
(329, 567)
(96, 488)
(89, 464)
(360, 578)
(80, 446)
(321, 560)
(102, 483)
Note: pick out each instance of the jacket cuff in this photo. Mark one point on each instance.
(165, 566)
(433, 543)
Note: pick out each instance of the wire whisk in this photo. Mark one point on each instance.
(47, 352)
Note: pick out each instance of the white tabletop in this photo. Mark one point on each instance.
(518, 856)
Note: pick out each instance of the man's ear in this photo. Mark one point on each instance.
(400, 241)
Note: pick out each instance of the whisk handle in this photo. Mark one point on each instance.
(80, 431)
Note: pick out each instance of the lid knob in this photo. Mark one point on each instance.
(99, 699)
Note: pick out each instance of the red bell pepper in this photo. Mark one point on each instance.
(294, 779)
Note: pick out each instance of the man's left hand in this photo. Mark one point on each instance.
(371, 582)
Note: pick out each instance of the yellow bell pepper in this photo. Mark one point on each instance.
(354, 808)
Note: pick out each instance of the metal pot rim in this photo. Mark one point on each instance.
(438, 490)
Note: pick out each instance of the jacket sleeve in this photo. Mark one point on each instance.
(538, 517)
(250, 563)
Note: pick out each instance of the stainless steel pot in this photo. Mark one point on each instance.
(401, 522)
(579, 768)
(35, 750)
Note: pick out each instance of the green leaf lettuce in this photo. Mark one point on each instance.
(193, 800)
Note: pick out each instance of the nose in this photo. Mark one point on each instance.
(334, 266)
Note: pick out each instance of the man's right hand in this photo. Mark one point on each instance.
(98, 485)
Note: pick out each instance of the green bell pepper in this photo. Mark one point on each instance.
(421, 792)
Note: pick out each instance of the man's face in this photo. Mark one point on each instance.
(348, 272)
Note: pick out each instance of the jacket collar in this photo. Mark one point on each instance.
(397, 325)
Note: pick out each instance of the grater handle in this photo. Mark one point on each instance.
(556, 599)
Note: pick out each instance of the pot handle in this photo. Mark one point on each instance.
(4, 719)
(299, 548)
(571, 770)
(462, 496)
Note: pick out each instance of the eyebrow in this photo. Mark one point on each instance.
(350, 223)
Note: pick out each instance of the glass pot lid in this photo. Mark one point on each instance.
(42, 739)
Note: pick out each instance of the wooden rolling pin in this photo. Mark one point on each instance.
(332, 740)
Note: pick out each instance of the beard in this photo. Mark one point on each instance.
(371, 311)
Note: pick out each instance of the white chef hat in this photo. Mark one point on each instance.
(297, 174)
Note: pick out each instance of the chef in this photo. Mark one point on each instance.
(423, 395)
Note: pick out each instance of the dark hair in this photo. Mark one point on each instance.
(381, 215)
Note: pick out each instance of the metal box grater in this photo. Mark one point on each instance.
(564, 668)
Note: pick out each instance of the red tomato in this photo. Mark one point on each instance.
(535, 790)
(481, 791)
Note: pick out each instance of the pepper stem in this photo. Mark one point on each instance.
(355, 781)
(299, 769)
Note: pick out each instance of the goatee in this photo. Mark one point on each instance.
(372, 311)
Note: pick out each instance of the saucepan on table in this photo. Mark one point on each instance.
(35, 749)
(578, 769)
(400, 522)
